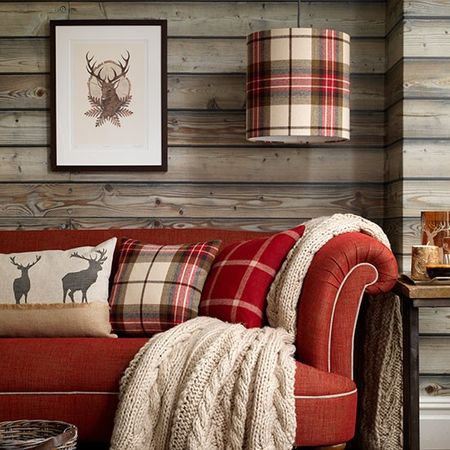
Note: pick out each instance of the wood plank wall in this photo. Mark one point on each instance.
(215, 177)
(418, 144)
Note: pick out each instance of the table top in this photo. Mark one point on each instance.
(434, 294)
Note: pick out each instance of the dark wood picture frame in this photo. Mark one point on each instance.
(53, 119)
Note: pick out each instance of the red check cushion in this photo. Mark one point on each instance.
(157, 287)
(238, 283)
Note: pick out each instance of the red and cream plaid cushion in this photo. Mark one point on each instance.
(157, 287)
(238, 283)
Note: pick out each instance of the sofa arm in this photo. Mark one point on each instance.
(341, 271)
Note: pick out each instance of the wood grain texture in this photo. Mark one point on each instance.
(23, 128)
(426, 118)
(186, 91)
(210, 164)
(393, 162)
(241, 18)
(434, 355)
(418, 195)
(427, 38)
(188, 200)
(426, 159)
(394, 45)
(34, 223)
(24, 91)
(429, 8)
(217, 55)
(426, 78)
(434, 320)
(394, 13)
(256, 224)
(197, 18)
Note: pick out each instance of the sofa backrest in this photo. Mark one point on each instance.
(26, 241)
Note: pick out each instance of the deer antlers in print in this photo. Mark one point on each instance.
(109, 90)
(22, 285)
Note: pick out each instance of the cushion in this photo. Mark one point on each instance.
(56, 292)
(237, 286)
(158, 286)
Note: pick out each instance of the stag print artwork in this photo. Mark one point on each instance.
(109, 90)
(22, 285)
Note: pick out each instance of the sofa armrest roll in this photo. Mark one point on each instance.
(341, 272)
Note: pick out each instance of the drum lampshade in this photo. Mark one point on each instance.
(298, 86)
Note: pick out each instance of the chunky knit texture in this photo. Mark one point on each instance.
(206, 384)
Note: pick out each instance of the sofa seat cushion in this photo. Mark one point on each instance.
(77, 380)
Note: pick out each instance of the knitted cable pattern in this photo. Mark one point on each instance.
(206, 384)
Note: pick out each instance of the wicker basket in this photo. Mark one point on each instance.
(37, 435)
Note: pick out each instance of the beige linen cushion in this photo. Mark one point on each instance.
(56, 292)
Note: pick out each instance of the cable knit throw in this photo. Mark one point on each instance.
(206, 384)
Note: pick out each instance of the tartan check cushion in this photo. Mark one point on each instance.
(158, 286)
(238, 283)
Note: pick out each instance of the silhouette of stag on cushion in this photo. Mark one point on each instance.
(84, 279)
(22, 285)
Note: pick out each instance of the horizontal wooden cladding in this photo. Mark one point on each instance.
(198, 18)
(394, 162)
(427, 38)
(22, 128)
(426, 78)
(209, 164)
(417, 196)
(434, 320)
(258, 224)
(85, 223)
(434, 355)
(218, 55)
(394, 13)
(394, 45)
(202, 91)
(189, 200)
(418, 158)
(395, 88)
(403, 233)
(428, 8)
(415, 118)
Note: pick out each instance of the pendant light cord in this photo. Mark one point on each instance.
(298, 13)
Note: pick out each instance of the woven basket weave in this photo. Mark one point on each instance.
(37, 435)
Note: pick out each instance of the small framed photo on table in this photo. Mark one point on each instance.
(109, 106)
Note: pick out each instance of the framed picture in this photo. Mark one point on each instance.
(109, 109)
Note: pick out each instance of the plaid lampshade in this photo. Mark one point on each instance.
(298, 85)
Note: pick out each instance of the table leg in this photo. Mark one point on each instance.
(410, 376)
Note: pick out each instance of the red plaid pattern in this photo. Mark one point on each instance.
(298, 84)
(238, 283)
(157, 287)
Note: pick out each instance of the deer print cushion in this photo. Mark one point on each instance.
(56, 292)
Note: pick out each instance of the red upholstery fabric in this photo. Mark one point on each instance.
(331, 295)
(77, 380)
(237, 285)
(90, 369)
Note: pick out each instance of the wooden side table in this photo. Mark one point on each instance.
(414, 297)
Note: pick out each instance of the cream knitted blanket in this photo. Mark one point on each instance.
(206, 384)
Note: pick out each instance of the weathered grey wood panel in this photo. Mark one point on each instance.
(211, 164)
(429, 8)
(189, 200)
(184, 127)
(198, 18)
(427, 38)
(434, 355)
(185, 91)
(435, 320)
(427, 78)
(210, 55)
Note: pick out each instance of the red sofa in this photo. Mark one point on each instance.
(77, 379)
